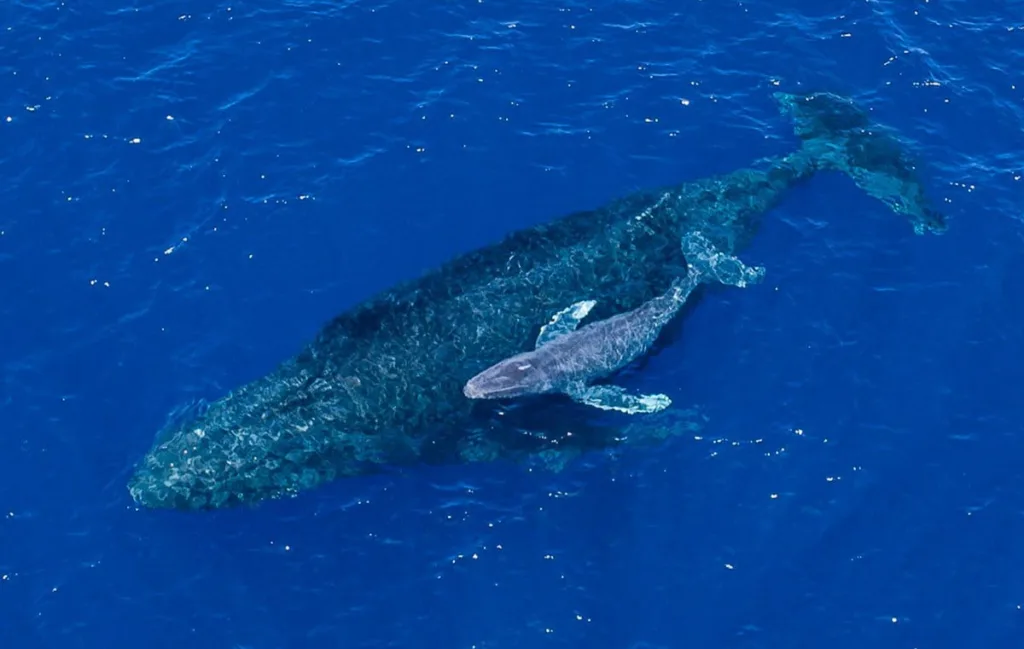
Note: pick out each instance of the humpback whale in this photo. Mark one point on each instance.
(567, 358)
(381, 385)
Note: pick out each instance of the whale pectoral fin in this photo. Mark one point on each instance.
(611, 397)
(565, 321)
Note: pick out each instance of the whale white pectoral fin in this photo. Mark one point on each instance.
(565, 321)
(611, 397)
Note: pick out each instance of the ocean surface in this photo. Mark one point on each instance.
(189, 191)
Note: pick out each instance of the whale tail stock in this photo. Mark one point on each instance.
(839, 136)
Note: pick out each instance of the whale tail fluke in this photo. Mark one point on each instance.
(840, 136)
(708, 263)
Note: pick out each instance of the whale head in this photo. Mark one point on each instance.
(516, 376)
(272, 438)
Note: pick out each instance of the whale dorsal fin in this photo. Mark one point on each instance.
(565, 321)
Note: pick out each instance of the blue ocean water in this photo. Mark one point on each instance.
(190, 190)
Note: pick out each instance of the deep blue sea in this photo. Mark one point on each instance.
(189, 191)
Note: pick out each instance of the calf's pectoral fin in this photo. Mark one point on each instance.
(565, 321)
(612, 397)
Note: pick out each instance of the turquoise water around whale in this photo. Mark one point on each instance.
(191, 190)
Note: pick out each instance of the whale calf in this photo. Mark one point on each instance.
(381, 385)
(567, 358)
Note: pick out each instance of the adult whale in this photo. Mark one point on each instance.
(381, 384)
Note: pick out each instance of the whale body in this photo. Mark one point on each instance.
(381, 385)
(568, 358)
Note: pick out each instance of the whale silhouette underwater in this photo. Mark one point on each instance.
(380, 387)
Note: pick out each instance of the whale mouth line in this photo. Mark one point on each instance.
(473, 391)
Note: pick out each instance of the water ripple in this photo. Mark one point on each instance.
(191, 189)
